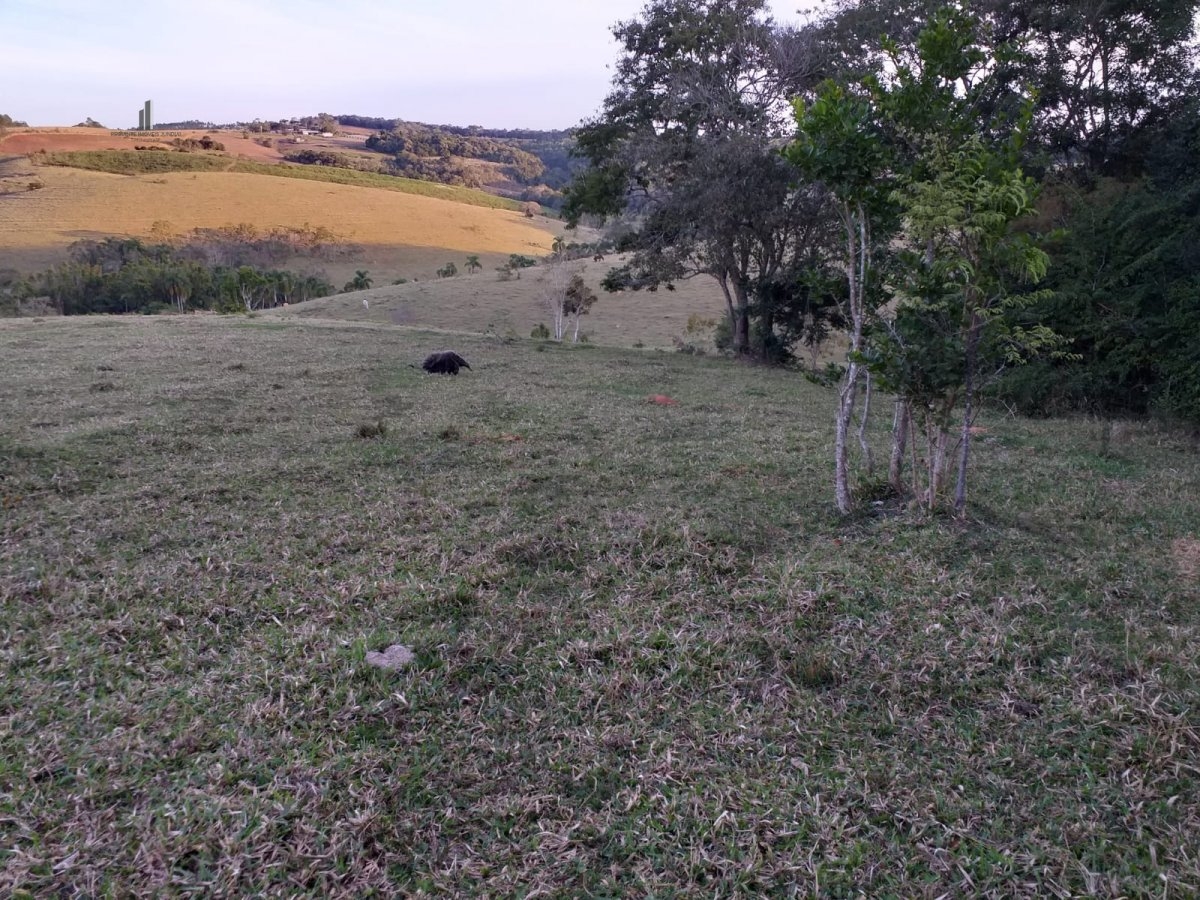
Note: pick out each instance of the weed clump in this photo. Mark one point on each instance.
(369, 431)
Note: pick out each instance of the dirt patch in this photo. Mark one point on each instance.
(1187, 557)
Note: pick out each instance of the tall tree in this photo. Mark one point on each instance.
(685, 148)
(1107, 73)
(840, 144)
(925, 136)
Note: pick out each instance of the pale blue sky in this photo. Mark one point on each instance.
(525, 63)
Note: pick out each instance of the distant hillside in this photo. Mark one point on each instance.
(551, 148)
(516, 163)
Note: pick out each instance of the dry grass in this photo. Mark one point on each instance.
(25, 141)
(649, 661)
(404, 232)
(1187, 557)
(482, 303)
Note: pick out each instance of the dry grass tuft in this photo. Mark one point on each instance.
(371, 430)
(1186, 551)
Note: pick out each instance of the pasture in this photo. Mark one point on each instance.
(649, 659)
(394, 234)
(481, 302)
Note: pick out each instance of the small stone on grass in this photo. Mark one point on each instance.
(396, 656)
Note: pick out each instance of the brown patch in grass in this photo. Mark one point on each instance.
(1187, 557)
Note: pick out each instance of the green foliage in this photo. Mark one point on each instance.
(420, 148)
(134, 162)
(360, 282)
(127, 276)
(840, 143)
(540, 332)
(449, 270)
(516, 262)
(1126, 292)
(473, 264)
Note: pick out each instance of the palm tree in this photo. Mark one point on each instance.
(473, 263)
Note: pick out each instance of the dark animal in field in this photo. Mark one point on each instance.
(447, 362)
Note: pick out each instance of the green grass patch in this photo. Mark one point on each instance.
(650, 659)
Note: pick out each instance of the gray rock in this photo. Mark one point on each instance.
(396, 656)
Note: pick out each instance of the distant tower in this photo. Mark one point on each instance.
(149, 116)
(141, 120)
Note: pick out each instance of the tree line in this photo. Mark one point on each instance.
(989, 201)
(126, 275)
(411, 142)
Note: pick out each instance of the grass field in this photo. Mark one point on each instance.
(125, 162)
(650, 660)
(399, 234)
(481, 303)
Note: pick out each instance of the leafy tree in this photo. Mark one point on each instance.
(685, 149)
(473, 264)
(244, 285)
(925, 138)
(840, 143)
(1125, 288)
(956, 326)
(181, 281)
(1107, 74)
(447, 271)
(516, 262)
(578, 302)
(360, 282)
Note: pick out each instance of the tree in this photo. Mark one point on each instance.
(924, 137)
(840, 143)
(447, 271)
(959, 295)
(473, 263)
(361, 282)
(1107, 73)
(244, 284)
(555, 282)
(685, 150)
(180, 281)
(578, 302)
(1125, 288)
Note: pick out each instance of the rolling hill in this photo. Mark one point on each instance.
(391, 233)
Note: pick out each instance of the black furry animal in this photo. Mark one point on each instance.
(447, 362)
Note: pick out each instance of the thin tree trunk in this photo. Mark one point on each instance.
(939, 456)
(862, 426)
(845, 413)
(900, 418)
(741, 336)
(841, 458)
(960, 487)
(912, 445)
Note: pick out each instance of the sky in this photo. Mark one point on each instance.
(500, 64)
